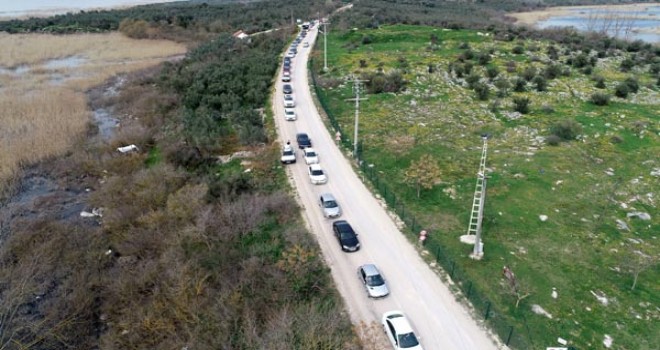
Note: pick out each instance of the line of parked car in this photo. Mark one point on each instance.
(396, 326)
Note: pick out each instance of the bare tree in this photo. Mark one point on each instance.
(635, 262)
(513, 286)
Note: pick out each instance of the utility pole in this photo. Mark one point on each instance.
(473, 235)
(325, 45)
(356, 89)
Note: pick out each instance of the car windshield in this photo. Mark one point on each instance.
(374, 281)
(317, 172)
(288, 152)
(288, 112)
(288, 97)
(330, 204)
(347, 235)
(408, 340)
(310, 154)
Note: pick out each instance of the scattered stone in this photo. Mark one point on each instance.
(640, 215)
(554, 293)
(621, 225)
(537, 309)
(562, 341)
(601, 298)
(543, 217)
(128, 149)
(518, 176)
(608, 341)
(655, 172)
(96, 212)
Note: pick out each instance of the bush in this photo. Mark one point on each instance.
(600, 82)
(600, 99)
(553, 140)
(552, 71)
(511, 66)
(540, 82)
(627, 64)
(482, 91)
(492, 72)
(380, 82)
(134, 28)
(483, 58)
(622, 90)
(367, 39)
(472, 80)
(518, 50)
(632, 84)
(566, 130)
(529, 73)
(521, 105)
(519, 85)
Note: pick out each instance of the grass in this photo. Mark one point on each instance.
(579, 249)
(43, 84)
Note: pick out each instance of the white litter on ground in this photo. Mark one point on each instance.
(128, 149)
(537, 309)
(543, 217)
(602, 299)
(608, 341)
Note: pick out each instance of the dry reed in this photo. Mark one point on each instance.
(43, 106)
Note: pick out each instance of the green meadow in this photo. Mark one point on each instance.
(589, 184)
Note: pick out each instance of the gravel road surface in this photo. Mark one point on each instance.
(440, 321)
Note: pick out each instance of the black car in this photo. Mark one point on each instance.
(346, 236)
(303, 140)
(287, 59)
(287, 89)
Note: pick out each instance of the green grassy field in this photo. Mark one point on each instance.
(584, 186)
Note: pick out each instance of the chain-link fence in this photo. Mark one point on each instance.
(516, 335)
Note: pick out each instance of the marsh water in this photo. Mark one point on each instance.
(626, 24)
(22, 8)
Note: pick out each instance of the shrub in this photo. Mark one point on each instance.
(367, 39)
(483, 58)
(587, 70)
(600, 99)
(472, 80)
(518, 50)
(464, 46)
(134, 28)
(553, 140)
(540, 82)
(468, 67)
(627, 64)
(529, 73)
(521, 105)
(380, 82)
(622, 90)
(566, 130)
(654, 68)
(363, 63)
(600, 81)
(482, 91)
(492, 72)
(581, 60)
(552, 52)
(552, 71)
(547, 109)
(502, 84)
(467, 54)
(511, 66)
(632, 84)
(519, 84)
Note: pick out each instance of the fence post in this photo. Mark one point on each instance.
(508, 339)
(487, 310)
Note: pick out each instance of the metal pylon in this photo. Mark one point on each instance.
(476, 215)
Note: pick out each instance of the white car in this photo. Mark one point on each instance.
(288, 154)
(290, 114)
(286, 77)
(310, 155)
(305, 44)
(316, 174)
(289, 102)
(399, 331)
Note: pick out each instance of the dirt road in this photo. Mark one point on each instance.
(415, 289)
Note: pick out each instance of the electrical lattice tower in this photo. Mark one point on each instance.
(473, 235)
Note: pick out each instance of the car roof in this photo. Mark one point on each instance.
(370, 270)
(301, 134)
(308, 149)
(315, 167)
(342, 224)
(399, 321)
(327, 196)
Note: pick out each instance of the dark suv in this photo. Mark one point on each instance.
(303, 140)
(346, 236)
(287, 89)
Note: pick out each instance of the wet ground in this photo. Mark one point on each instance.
(47, 190)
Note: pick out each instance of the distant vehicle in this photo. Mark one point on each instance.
(310, 155)
(305, 44)
(286, 77)
(303, 140)
(288, 154)
(290, 114)
(287, 89)
(290, 54)
(305, 25)
(289, 102)
(373, 281)
(329, 205)
(287, 59)
(346, 236)
(399, 331)
(316, 175)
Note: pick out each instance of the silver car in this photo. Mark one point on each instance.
(329, 205)
(373, 281)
